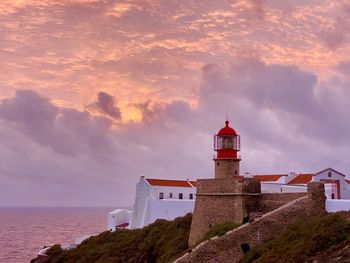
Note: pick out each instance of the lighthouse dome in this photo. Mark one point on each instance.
(227, 130)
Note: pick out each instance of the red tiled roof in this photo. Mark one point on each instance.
(162, 182)
(347, 181)
(194, 183)
(301, 179)
(122, 225)
(268, 177)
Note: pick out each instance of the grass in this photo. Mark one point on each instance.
(302, 241)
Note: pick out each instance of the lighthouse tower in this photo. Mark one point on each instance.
(226, 145)
(228, 197)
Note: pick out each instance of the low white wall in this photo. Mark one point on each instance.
(117, 217)
(282, 188)
(168, 209)
(335, 205)
(294, 189)
(270, 187)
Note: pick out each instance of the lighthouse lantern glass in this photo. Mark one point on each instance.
(226, 142)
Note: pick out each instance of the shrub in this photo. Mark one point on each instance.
(302, 240)
(161, 241)
(54, 250)
(219, 230)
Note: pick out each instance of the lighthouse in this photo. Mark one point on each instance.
(228, 197)
(227, 146)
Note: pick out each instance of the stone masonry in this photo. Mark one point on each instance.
(271, 201)
(222, 200)
(226, 168)
(228, 247)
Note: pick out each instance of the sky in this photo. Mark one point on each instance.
(95, 94)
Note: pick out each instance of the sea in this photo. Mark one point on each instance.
(24, 231)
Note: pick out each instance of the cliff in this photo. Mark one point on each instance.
(162, 241)
(324, 238)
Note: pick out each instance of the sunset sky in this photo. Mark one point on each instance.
(94, 94)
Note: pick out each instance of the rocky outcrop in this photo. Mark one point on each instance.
(40, 259)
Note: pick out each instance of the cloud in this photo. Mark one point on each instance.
(62, 156)
(106, 104)
(287, 118)
(294, 96)
(64, 130)
(180, 65)
(334, 33)
(282, 112)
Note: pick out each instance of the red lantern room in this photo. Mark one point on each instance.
(226, 143)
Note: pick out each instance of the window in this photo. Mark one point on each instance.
(171, 195)
(161, 195)
(235, 171)
(180, 196)
(217, 163)
(191, 196)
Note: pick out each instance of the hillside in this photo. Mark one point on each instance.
(161, 241)
(324, 239)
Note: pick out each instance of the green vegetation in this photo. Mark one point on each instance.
(55, 250)
(218, 230)
(302, 241)
(161, 241)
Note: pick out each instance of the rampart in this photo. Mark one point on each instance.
(222, 200)
(271, 201)
(228, 247)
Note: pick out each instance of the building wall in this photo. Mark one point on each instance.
(167, 209)
(148, 207)
(329, 174)
(117, 217)
(143, 193)
(166, 190)
(271, 187)
(267, 187)
(336, 205)
(228, 247)
(222, 200)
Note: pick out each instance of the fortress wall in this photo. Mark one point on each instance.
(222, 200)
(228, 247)
(272, 201)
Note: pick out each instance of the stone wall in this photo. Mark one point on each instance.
(228, 247)
(272, 201)
(222, 200)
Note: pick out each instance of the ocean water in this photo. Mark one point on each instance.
(24, 231)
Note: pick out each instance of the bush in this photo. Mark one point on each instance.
(302, 240)
(219, 230)
(161, 241)
(54, 250)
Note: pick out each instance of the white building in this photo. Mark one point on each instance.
(336, 184)
(155, 199)
(168, 199)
